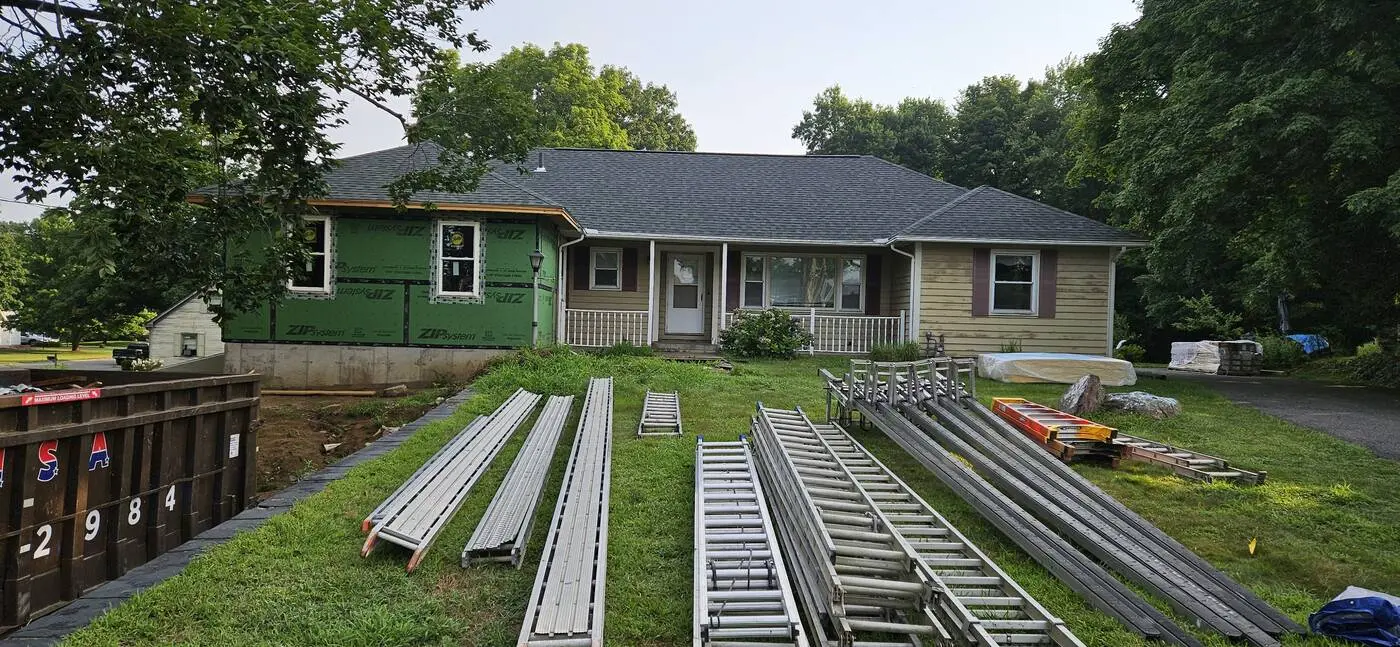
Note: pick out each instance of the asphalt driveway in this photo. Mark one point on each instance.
(1367, 416)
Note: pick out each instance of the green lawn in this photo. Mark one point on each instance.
(90, 350)
(1329, 517)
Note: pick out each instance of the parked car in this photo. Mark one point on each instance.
(35, 339)
(133, 351)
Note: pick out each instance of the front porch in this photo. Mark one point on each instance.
(679, 296)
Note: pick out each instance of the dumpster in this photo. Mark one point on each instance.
(102, 471)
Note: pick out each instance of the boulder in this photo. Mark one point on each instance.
(1083, 397)
(1143, 403)
(395, 391)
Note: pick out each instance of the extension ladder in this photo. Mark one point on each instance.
(661, 415)
(742, 591)
(1068, 437)
(1186, 463)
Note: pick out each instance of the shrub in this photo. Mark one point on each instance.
(764, 333)
(1011, 346)
(1378, 368)
(906, 352)
(143, 365)
(1282, 353)
(1131, 352)
(1372, 347)
(1203, 316)
(626, 349)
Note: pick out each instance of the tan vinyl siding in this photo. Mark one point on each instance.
(1080, 324)
(899, 284)
(610, 299)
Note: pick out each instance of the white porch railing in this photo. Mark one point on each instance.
(603, 328)
(847, 334)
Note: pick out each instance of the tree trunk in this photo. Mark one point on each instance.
(77, 338)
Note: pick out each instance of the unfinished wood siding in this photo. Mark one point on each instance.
(608, 299)
(1080, 324)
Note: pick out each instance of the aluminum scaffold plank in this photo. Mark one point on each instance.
(414, 514)
(661, 415)
(504, 531)
(742, 592)
(566, 603)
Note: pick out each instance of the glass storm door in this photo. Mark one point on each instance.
(685, 294)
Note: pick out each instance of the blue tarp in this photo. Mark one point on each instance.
(1311, 343)
(1368, 620)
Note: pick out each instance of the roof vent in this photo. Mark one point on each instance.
(539, 168)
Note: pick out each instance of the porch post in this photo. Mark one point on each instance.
(651, 294)
(723, 289)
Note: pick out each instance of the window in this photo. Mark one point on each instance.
(458, 270)
(753, 282)
(605, 269)
(315, 276)
(803, 281)
(1014, 282)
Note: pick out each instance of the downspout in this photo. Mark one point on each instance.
(562, 315)
(1112, 292)
(914, 271)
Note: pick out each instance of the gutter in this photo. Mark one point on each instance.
(563, 290)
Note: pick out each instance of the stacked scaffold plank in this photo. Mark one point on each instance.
(414, 514)
(973, 602)
(1060, 498)
(566, 603)
(661, 415)
(742, 593)
(504, 531)
(1069, 437)
(1186, 463)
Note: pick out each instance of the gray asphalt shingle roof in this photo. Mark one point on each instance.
(990, 214)
(855, 199)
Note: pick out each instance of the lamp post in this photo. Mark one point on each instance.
(536, 260)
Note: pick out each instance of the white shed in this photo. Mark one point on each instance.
(186, 329)
(8, 336)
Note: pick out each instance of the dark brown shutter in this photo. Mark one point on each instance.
(578, 264)
(872, 284)
(981, 282)
(1049, 261)
(629, 269)
(735, 279)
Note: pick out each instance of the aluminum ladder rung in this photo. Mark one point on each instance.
(661, 415)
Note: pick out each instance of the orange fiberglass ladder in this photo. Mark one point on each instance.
(1068, 437)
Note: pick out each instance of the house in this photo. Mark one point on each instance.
(186, 329)
(657, 248)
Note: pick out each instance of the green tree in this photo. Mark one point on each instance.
(12, 264)
(1258, 146)
(913, 133)
(64, 296)
(553, 98)
(137, 102)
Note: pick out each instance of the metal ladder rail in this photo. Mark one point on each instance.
(876, 581)
(418, 515)
(1025, 621)
(503, 533)
(1097, 531)
(566, 602)
(1086, 577)
(661, 415)
(742, 590)
(1240, 597)
(1187, 463)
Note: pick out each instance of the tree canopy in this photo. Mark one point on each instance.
(136, 103)
(554, 98)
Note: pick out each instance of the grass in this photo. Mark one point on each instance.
(1330, 516)
(89, 350)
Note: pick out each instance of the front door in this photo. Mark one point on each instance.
(685, 294)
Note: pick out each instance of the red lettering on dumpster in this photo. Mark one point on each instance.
(71, 395)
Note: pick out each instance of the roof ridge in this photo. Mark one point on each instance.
(383, 150)
(967, 194)
(715, 153)
(1049, 206)
(906, 169)
(541, 196)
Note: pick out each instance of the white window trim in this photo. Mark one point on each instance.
(593, 268)
(992, 282)
(475, 258)
(324, 288)
(767, 280)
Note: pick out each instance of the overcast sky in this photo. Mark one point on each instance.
(744, 70)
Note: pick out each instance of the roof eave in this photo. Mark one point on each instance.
(534, 209)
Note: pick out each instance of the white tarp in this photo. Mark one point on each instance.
(1060, 368)
(1201, 356)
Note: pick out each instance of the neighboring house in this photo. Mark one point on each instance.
(186, 329)
(8, 336)
(655, 248)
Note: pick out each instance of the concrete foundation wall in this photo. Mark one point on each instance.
(298, 366)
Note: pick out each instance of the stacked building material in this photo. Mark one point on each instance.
(742, 592)
(504, 531)
(414, 514)
(566, 603)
